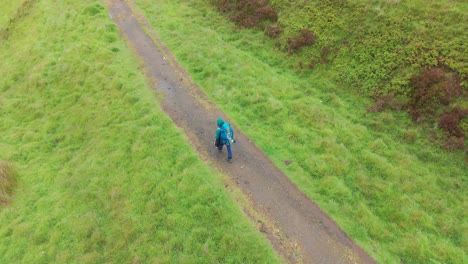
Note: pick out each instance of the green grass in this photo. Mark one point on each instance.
(9, 11)
(103, 175)
(393, 191)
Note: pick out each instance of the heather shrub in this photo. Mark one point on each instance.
(273, 31)
(324, 55)
(450, 121)
(248, 13)
(267, 13)
(306, 38)
(431, 90)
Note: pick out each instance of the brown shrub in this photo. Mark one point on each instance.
(273, 31)
(248, 22)
(324, 55)
(432, 89)
(222, 5)
(306, 38)
(248, 13)
(450, 121)
(7, 182)
(267, 13)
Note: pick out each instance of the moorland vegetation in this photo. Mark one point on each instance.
(75, 107)
(407, 55)
(317, 90)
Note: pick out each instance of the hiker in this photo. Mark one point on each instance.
(224, 136)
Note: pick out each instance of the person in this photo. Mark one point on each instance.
(224, 136)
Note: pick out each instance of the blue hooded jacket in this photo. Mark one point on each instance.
(224, 132)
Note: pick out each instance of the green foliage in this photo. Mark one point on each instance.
(401, 198)
(105, 175)
(380, 44)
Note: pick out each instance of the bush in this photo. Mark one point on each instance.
(324, 55)
(306, 38)
(248, 13)
(273, 31)
(432, 89)
(7, 182)
(267, 13)
(450, 121)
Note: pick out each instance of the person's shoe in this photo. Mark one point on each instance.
(229, 160)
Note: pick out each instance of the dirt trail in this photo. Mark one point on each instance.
(293, 219)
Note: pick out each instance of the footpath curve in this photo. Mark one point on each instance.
(292, 218)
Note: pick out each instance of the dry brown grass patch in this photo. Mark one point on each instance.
(7, 182)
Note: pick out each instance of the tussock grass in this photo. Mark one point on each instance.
(7, 182)
(105, 175)
(377, 174)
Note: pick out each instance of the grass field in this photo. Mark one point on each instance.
(101, 174)
(392, 190)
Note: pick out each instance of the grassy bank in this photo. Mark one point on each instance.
(102, 174)
(395, 193)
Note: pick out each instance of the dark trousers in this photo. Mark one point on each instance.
(220, 147)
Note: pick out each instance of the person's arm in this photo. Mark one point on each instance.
(218, 133)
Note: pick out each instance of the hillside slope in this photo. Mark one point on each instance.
(103, 175)
(378, 175)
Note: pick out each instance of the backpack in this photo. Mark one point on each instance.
(226, 133)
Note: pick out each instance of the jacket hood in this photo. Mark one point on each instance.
(220, 122)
